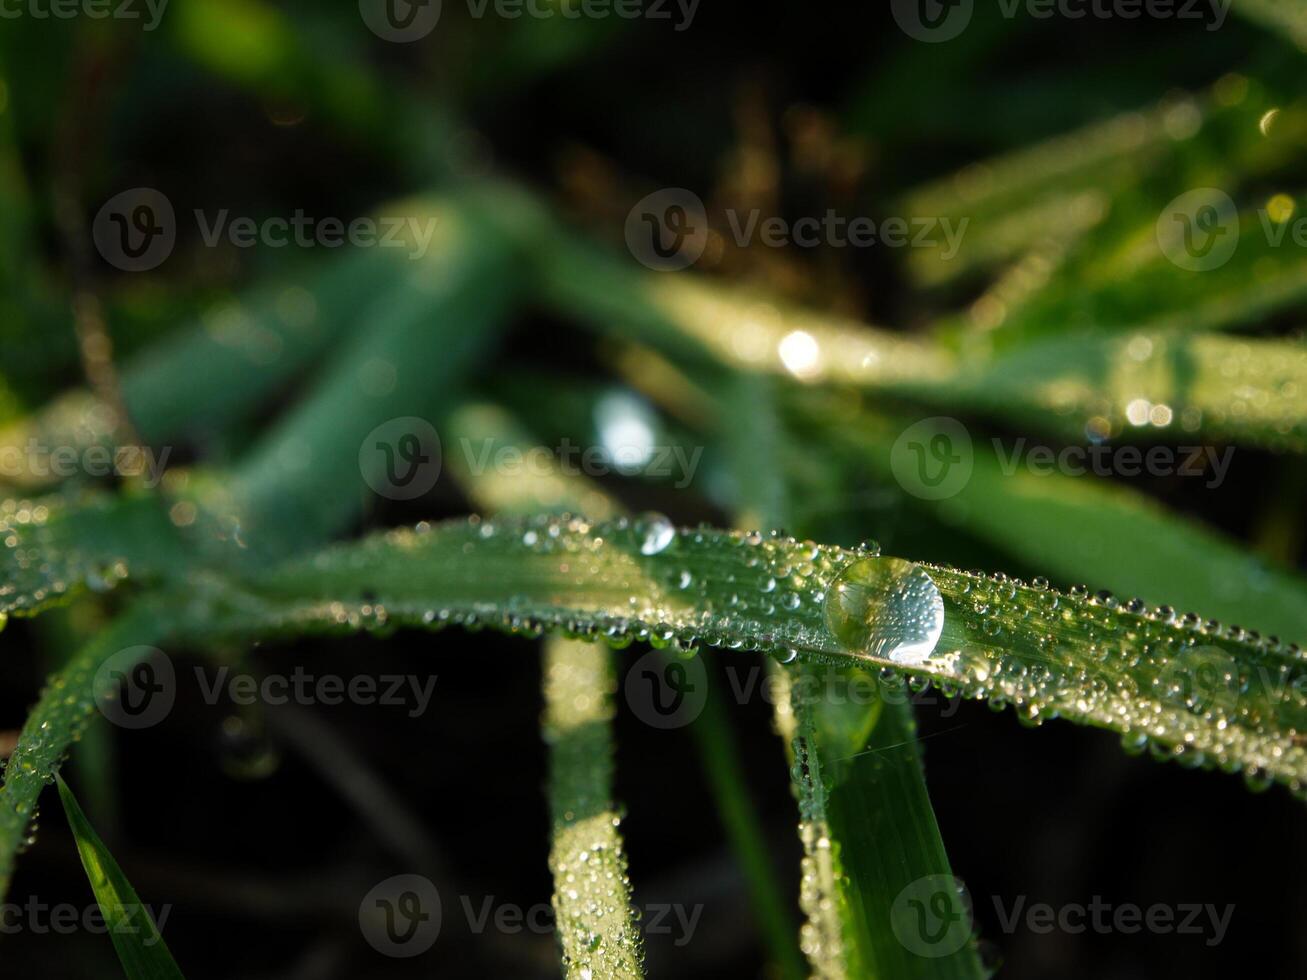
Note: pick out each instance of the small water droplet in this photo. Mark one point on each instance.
(655, 532)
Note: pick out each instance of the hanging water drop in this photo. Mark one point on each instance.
(886, 608)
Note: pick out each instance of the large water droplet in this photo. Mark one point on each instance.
(887, 608)
(655, 533)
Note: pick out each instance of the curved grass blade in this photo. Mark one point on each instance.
(1195, 690)
(66, 707)
(1188, 689)
(141, 949)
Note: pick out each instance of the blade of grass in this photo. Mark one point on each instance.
(597, 930)
(1191, 690)
(1091, 659)
(66, 707)
(866, 824)
(141, 949)
(592, 891)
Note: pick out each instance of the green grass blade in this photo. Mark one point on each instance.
(66, 707)
(51, 547)
(597, 931)
(141, 949)
(1091, 659)
(866, 824)
(592, 891)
